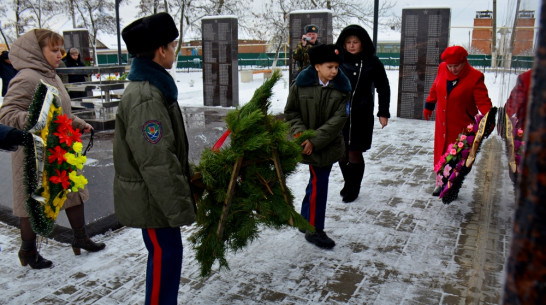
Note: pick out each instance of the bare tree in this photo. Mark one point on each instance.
(394, 23)
(276, 15)
(96, 16)
(344, 12)
(2, 32)
(22, 20)
(183, 9)
(44, 11)
(149, 7)
(188, 13)
(27, 14)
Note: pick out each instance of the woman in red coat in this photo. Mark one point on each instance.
(459, 93)
(519, 96)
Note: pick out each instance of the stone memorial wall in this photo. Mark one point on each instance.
(220, 65)
(425, 35)
(78, 39)
(298, 20)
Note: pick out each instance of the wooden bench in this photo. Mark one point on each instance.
(246, 75)
(262, 71)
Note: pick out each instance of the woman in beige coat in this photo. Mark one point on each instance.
(36, 54)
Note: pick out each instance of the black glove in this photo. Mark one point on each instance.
(196, 184)
(11, 138)
(16, 137)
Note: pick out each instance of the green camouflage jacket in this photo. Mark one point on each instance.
(301, 55)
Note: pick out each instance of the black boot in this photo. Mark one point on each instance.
(28, 255)
(355, 174)
(82, 241)
(320, 239)
(344, 166)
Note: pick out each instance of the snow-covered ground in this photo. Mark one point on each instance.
(375, 262)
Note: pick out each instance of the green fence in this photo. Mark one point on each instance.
(391, 60)
(518, 62)
(111, 59)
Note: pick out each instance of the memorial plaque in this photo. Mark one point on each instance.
(220, 65)
(425, 35)
(298, 20)
(78, 39)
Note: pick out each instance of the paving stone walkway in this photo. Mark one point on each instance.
(395, 245)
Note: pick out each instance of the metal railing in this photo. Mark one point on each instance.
(265, 60)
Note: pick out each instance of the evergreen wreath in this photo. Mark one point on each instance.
(457, 161)
(52, 159)
(259, 146)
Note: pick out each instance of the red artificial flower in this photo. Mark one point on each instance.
(57, 154)
(64, 137)
(75, 135)
(62, 178)
(63, 120)
(64, 123)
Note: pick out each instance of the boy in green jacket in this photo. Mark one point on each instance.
(317, 101)
(152, 171)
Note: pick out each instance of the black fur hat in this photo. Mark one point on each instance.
(324, 53)
(149, 33)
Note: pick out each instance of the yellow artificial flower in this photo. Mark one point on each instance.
(58, 202)
(45, 185)
(77, 147)
(79, 181)
(49, 213)
(76, 160)
(70, 158)
(81, 161)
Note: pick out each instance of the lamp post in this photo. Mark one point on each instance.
(375, 21)
(118, 32)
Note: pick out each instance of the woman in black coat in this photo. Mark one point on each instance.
(365, 72)
(73, 59)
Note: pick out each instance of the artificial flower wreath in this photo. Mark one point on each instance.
(514, 145)
(457, 161)
(52, 159)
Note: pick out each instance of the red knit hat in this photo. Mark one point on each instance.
(454, 55)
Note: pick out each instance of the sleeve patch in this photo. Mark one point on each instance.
(152, 131)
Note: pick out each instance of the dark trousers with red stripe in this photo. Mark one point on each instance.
(164, 265)
(313, 207)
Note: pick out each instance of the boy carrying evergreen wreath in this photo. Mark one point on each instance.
(316, 108)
